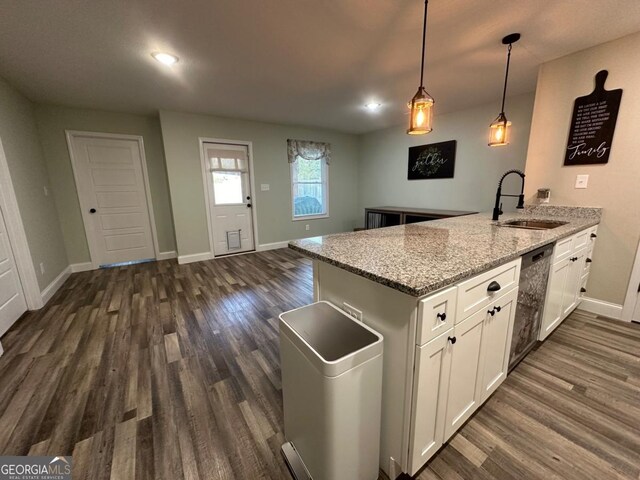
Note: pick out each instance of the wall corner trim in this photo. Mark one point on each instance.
(81, 267)
(194, 257)
(272, 246)
(50, 290)
(600, 307)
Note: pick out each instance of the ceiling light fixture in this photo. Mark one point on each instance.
(165, 58)
(421, 116)
(372, 106)
(500, 129)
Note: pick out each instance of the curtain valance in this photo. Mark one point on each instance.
(308, 150)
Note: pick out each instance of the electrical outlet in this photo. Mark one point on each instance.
(352, 311)
(582, 181)
(46, 191)
(41, 268)
(264, 187)
(306, 227)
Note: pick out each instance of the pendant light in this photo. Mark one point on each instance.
(499, 130)
(421, 119)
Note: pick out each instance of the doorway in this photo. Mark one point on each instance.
(631, 307)
(12, 300)
(229, 197)
(113, 189)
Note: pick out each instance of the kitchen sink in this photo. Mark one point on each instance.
(532, 224)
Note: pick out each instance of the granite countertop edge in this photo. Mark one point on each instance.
(463, 273)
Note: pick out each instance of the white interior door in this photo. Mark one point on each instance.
(229, 184)
(12, 301)
(113, 195)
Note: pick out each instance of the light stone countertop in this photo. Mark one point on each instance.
(421, 258)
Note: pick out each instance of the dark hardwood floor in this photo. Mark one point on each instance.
(163, 371)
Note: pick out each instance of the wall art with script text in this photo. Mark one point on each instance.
(436, 160)
(592, 125)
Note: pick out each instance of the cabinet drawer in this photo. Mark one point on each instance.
(581, 240)
(562, 249)
(476, 293)
(436, 314)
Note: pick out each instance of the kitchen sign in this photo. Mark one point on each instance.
(436, 160)
(592, 125)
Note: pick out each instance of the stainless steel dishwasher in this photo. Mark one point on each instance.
(534, 274)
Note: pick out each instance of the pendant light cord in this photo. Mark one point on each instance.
(506, 77)
(424, 36)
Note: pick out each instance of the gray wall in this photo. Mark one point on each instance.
(29, 177)
(52, 123)
(383, 161)
(180, 133)
(614, 186)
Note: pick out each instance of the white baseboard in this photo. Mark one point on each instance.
(55, 285)
(272, 246)
(81, 267)
(600, 307)
(166, 255)
(194, 257)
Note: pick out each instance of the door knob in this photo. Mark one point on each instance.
(92, 210)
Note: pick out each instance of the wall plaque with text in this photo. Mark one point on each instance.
(592, 125)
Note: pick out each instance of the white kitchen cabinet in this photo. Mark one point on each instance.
(464, 394)
(553, 310)
(431, 383)
(496, 343)
(567, 277)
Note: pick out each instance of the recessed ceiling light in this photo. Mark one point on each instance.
(165, 58)
(372, 106)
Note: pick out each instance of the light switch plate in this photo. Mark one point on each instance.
(264, 187)
(582, 181)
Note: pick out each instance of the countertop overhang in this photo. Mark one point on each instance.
(420, 258)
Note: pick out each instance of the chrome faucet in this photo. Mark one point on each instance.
(497, 209)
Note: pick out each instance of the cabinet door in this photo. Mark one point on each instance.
(553, 308)
(431, 381)
(572, 287)
(496, 343)
(464, 392)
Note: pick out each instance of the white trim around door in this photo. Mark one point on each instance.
(208, 199)
(18, 237)
(91, 240)
(633, 290)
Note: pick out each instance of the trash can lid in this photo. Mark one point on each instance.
(331, 333)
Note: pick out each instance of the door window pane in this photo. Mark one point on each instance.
(227, 188)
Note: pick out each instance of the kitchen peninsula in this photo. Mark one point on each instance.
(443, 294)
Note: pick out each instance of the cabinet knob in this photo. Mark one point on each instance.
(493, 287)
(498, 308)
(92, 210)
(588, 260)
(442, 316)
(492, 312)
(593, 235)
(583, 290)
(452, 340)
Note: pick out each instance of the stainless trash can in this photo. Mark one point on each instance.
(332, 387)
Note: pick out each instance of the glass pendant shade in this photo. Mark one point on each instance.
(421, 116)
(499, 131)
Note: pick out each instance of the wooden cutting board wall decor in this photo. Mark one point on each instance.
(592, 124)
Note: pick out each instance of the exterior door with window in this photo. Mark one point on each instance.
(231, 208)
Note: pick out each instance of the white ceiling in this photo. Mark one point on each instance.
(309, 62)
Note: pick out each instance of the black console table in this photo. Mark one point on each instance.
(378, 217)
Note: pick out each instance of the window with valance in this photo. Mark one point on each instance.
(309, 162)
